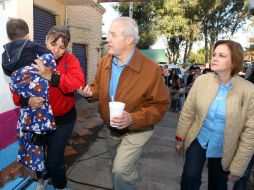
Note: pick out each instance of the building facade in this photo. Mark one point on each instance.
(82, 17)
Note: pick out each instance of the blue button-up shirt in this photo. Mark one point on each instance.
(115, 74)
(211, 135)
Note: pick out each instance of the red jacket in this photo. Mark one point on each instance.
(68, 78)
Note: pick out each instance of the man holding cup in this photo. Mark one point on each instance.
(130, 87)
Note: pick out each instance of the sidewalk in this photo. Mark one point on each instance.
(160, 167)
(87, 157)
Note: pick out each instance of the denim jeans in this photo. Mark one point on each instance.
(241, 184)
(193, 167)
(55, 154)
(174, 105)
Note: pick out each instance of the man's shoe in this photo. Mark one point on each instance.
(42, 184)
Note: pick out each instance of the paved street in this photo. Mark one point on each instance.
(88, 160)
(87, 157)
(160, 167)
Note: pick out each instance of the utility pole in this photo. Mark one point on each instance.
(131, 9)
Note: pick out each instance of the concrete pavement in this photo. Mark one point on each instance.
(87, 157)
(160, 167)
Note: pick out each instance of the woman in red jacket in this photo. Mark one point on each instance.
(63, 83)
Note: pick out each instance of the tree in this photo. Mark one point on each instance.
(184, 22)
(175, 21)
(220, 17)
(249, 53)
(192, 33)
(143, 12)
(169, 23)
(198, 57)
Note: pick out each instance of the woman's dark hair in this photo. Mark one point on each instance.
(237, 54)
(16, 28)
(173, 71)
(57, 32)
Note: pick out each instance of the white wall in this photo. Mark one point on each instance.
(15, 9)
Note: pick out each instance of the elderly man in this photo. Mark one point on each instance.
(130, 77)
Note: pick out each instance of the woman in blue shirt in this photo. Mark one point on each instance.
(216, 122)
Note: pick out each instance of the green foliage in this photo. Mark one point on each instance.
(220, 17)
(176, 21)
(170, 20)
(251, 47)
(184, 22)
(249, 52)
(143, 12)
(197, 57)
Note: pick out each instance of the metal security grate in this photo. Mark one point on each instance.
(79, 50)
(43, 21)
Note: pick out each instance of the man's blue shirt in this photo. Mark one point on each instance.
(116, 73)
(211, 135)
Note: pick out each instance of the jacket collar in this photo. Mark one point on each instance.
(234, 79)
(134, 63)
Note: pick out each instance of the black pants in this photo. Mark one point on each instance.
(241, 184)
(55, 154)
(193, 167)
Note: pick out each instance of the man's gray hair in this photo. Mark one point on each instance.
(130, 27)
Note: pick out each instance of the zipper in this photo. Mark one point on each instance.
(9, 59)
(22, 48)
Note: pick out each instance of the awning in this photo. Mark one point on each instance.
(157, 55)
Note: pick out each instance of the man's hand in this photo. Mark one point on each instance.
(45, 72)
(233, 178)
(35, 102)
(87, 92)
(122, 121)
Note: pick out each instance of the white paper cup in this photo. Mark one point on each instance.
(115, 109)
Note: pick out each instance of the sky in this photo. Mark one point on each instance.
(108, 16)
(241, 36)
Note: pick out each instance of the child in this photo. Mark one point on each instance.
(177, 90)
(17, 58)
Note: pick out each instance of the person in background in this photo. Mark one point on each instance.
(122, 75)
(249, 71)
(241, 184)
(161, 69)
(186, 75)
(165, 74)
(188, 79)
(177, 90)
(67, 78)
(206, 70)
(189, 84)
(197, 71)
(172, 78)
(181, 95)
(216, 122)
